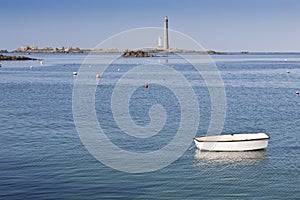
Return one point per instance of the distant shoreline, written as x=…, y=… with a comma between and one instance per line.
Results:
x=70, y=50
x=18, y=56
x=170, y=52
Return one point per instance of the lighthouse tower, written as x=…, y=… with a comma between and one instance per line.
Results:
x=159, y=43
x=166, y=38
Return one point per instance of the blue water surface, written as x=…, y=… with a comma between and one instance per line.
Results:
x=42, y=157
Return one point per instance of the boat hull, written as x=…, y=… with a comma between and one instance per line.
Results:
x=233, y=142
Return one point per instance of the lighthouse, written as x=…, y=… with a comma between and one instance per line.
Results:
x=159, y=43
x=166, y=38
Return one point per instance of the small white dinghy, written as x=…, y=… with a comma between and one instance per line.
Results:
x=233, y=142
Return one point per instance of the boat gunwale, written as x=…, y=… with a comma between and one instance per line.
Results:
x=246, y=140
x=203, y=139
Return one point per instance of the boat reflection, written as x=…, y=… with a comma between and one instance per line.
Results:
x=207, y=158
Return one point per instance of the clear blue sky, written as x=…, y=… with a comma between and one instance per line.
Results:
x=222, y=25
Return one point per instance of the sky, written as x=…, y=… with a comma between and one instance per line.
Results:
x=221, y=25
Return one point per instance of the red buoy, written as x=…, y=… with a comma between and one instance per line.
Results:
x=146, y=85
x=98, y=76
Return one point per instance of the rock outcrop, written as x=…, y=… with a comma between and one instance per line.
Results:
x=3, y=57
x=136, y=54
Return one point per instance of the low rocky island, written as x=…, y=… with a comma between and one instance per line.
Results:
x=136, y=54
x=211, y=52
x=150, y=52
x=3, y=57
x=28, y=49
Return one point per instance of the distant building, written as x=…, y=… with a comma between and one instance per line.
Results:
x=33, y=48
x=25, y=48
x=159, y=43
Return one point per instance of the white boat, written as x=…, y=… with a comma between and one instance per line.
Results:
x=233, y=142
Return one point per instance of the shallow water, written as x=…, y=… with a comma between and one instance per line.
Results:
x=42, y=155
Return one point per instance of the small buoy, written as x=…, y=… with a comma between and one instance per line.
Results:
x=285, y=59
x=30, y=67
x=288, y=71
x=97, y=75
x=74, y=73
x=146, y=85
x=297, y=92
x=90, y=66
x=118, y=69
x=41, y=62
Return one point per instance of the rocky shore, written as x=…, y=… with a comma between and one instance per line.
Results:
x=25, y=49
x=136, y=54
x=3, y=57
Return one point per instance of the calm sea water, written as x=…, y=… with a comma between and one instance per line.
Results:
x=42, y=157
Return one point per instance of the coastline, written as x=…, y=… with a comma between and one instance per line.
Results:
x=27, y=50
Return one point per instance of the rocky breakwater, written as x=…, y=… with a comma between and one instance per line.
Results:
x=4, y=57
x=136, y=54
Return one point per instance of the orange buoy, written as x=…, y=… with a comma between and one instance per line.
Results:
x=297, y=92
x=146, y=85
x=97, y=75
